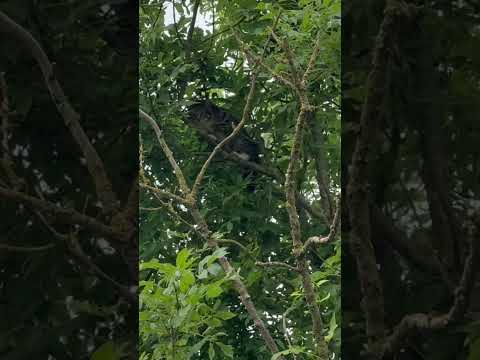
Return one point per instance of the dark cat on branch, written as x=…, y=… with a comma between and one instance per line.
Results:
x=214, y=124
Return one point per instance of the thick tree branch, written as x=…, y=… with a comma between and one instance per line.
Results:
x=206, y=234
x=6, y=162
x=71, y=118
x=358, y=186
x=191, y=28
x=168, y=153
x=63, y=215
x=295, y=231
x=238, y=284
x=182, y=84
x=414, y=322
x=295, y=226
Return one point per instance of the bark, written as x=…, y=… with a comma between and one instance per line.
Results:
x=240, y=287
x=71, y=118
x=295, y=231
x=358, y=188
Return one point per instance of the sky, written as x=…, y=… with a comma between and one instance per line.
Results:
x=201, y=19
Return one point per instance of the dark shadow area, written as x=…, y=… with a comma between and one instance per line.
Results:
x=68, y=179
x=411, y=171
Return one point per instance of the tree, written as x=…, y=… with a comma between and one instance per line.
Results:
x=239, y=170
x=68, y=187
x=411, y=220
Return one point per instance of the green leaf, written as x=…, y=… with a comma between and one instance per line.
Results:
x=292, y=350
x=106, y=352
x=155, y=265
x=332, y=327
x=187, y=279
x=211, y=352
x=197, y=347
x=182, y=258
x=214, y=291
x=321, y=282
x=180, y=317
x=214, y=269
x=225, y=315
x=220, y=252
x=203, y=274
x=474, y=350
x=226, y=349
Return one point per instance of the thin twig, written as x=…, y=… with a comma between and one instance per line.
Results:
x=162, y=194
x=26, y=249
x=234, y=242
x=277, y=264
x=311, y=62
x=289, y=55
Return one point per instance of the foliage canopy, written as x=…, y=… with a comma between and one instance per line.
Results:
x=242, y=201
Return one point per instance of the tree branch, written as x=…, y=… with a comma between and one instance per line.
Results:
x=77, y=250
x=196, y=6
x=26, y=249
x=413, y=322
x=277, y=264
x=314, y=240
x=358, y=187
x=71, y=118
x=162, y=194
x=246, y=115
x=295, y=226
x=168, y=153
x=62, y=215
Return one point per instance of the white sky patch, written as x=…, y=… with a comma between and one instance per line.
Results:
x=201, y=22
